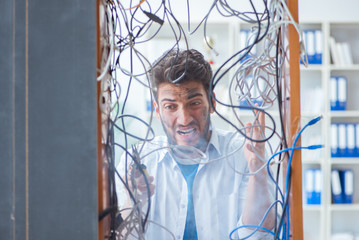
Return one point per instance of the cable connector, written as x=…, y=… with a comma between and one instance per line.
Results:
x=312, y=147
x=314, y=120
x=137, y=161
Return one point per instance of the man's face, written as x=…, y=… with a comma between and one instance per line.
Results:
x=184, y=111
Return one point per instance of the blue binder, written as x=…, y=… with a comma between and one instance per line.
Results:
x=333, y=93
x=334, y=140
x=309, y=185
x=317, y=186
x=310, y=46
x=342, y=93
x=338, y=93
x=318, y=47
x=342, y=140
x=337, y=192
x=313, y=42
x=347, y=180
x=350, y=134
x=244, y=41
x=254, y=93
x=313, y=185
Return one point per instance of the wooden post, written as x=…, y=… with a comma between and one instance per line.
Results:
x=296, y=214
x=102, y=166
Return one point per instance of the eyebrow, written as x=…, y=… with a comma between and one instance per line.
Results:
x=192, y=93
x=168, y=100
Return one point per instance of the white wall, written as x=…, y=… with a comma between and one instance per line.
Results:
x=328, y=10
x=309, y=10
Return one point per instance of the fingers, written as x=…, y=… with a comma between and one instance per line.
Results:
x=255, y=131
x=262, y=121
x=254, y=150
x=260, y=118
x=248, y=129
x=142, y=182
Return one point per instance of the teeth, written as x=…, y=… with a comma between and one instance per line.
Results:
x=186, y=132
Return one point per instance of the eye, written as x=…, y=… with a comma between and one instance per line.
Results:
x=195, y=103
x=169, y=106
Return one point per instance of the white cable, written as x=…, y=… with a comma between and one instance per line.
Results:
x=111, y=44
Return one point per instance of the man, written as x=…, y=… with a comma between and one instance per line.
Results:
x=195, y=173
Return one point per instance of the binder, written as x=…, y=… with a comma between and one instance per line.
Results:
x=334, y=140
x=347, y=179
x=341, y=53
x=244, y=41
x=333, y=93
x=338, y=93
x=347, y=55
x=313, y=185
x=310, y=46
x=317, y=186
x=313, y=42
x=243, y=38
x=337, y=195
x=305, y=42
x=309, y=185
x=318, y=47
x=350, y=133
x=254, y=90
x=342, y=186
x=334, y=51
x=342, y=140
x=342, y=93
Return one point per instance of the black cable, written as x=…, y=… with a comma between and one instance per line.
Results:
x=279, y=98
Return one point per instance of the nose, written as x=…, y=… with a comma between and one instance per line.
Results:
x=184, y=116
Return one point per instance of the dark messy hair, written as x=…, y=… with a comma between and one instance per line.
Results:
x=178, y=67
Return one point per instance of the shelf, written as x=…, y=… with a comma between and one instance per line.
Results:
x=354, y=67
x=308, y=161
x=311, y=67
x=344, y=207
x=343, y=114
x=346, y=161
x=314, y=208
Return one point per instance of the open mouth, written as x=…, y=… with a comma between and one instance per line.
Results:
x=186, y=132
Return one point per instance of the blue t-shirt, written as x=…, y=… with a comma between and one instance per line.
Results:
x=189, y=172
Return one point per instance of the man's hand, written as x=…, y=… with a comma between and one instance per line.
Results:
x=141, y=185
x=258, y=197
x=254, y=151
x=140, y=179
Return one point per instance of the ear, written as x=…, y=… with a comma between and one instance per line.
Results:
x=157, y=110
x=213, y=103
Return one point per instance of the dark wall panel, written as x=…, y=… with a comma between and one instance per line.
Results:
x=6, y=123
x=61, y=120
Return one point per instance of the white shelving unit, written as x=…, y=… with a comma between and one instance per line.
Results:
x=324, y=220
